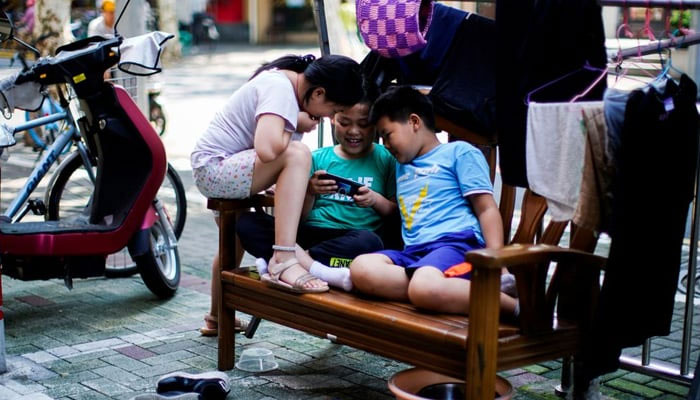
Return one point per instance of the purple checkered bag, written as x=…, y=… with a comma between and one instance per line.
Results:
x=394, y=28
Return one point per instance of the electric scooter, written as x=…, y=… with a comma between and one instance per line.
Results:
x=131, y=165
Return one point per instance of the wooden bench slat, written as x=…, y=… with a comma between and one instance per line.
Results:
x=384, y=316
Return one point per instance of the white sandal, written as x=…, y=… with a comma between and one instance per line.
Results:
x=275, y=270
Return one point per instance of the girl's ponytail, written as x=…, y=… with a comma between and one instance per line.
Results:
x=290, y=62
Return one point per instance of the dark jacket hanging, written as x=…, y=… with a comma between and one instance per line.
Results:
x=652, y=189
x=539, y=41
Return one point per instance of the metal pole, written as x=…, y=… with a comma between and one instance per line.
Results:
x=655, y=47
x=690, y=284
x=322, y=24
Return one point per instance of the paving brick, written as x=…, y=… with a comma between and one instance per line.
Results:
x=135, y=352
x=66, y=390
x=201, y=363
x=634, y=388
x=116, y=374
x=168, y=357
x=40, y=356
x=62, y=351
x=669, y=387
x=637, y=378
x=670, y=397
x=173, y=347
x=36, y=301
x=24, y=388
x=525, y=378
x=90, y=395
x=124, y=362
x=7, y=393
x=159, y=370
x=35, y=396
x=552, y=364
x=536, y=369
x=65, y=378
x=73, y=367
x=107, y=387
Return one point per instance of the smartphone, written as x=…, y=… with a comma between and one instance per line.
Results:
x=345, y=186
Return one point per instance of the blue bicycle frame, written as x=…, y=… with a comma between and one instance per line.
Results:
x=16, y=211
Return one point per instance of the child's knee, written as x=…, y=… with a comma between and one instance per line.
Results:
x=361, y=269
x=426, y=293
x=298, y=154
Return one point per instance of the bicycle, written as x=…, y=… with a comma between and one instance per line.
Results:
x=72, y=183
x=39, y=137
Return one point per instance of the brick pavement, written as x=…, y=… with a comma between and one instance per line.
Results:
x=111, y=338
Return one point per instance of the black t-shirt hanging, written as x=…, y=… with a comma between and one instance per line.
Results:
x=538, y=42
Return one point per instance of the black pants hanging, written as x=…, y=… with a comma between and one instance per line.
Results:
x=652, y=190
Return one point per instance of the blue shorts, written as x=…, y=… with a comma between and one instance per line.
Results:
x=442, y=254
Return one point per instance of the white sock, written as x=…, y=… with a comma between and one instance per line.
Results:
x=339, y=277
x=508, y=285
x=261, y=265
x=516, y=310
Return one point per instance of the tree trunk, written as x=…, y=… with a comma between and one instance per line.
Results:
x=52, y=23
x=168, y=23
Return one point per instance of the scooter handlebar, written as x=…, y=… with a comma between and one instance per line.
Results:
x=80, y=63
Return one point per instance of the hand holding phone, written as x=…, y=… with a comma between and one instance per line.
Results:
x=345, y=186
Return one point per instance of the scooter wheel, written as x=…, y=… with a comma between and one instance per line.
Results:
x=160, y=265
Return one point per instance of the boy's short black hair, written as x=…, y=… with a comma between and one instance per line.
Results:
x=399, y=102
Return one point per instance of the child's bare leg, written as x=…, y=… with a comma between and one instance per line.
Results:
x=376, y=274
x=430, y=289
x=290, y=171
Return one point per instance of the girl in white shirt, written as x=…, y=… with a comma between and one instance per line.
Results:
x=247, y=147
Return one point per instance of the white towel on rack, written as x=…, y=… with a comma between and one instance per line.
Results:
x=554, y=152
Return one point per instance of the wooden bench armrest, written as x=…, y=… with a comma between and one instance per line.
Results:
x=515, y=255
x=575, y=283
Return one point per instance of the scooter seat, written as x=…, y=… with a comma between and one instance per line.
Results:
x=52, y=227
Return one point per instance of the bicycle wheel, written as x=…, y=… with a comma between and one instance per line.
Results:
x=69, y=193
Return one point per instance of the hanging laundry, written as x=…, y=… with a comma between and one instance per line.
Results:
x=594, y=207
x=653, y=187
x=539, y=41
x=458, y=61
x=465, y=90
x=555, y=149
x=421, y=67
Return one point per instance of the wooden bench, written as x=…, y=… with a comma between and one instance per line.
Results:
x=470, y=347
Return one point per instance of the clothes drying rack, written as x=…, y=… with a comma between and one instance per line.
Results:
x=682, y=373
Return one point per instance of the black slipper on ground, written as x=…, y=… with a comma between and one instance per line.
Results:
x=211, y=385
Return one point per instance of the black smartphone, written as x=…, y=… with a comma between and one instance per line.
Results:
x=345, y=186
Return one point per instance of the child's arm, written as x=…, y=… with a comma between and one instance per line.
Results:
x=367, y=197
x=316, y=186
x=271, y=139
x=489, y=217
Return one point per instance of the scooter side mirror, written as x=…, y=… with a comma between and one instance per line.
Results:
x=6, y=28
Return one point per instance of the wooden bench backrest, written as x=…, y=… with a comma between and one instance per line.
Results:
x=573, y=292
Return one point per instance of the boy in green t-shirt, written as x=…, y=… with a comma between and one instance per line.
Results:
x=336, y=228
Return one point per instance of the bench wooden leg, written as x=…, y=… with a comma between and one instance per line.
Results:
x=482, y=342
x=227, y=316
x=563, y=389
